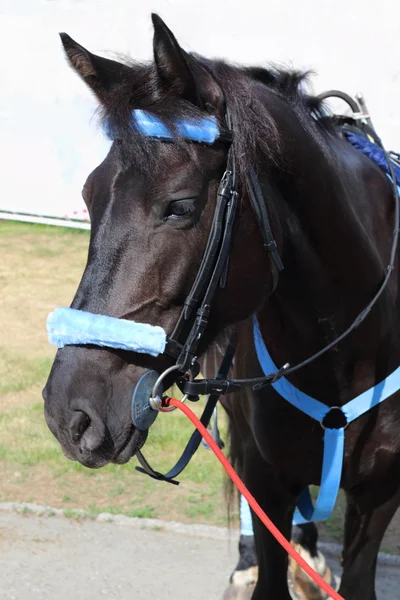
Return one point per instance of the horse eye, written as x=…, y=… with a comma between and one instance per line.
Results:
x=180, y=208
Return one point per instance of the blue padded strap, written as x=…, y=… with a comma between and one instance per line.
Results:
x=67, y=326
x=246, y=522
x=330, y=481
x=307, y=404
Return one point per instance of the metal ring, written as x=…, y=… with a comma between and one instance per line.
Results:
x=157, y=384
x=161, y=378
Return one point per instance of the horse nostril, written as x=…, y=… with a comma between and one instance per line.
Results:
x=78, y=425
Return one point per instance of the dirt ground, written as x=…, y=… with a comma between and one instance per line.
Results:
x=42, y=558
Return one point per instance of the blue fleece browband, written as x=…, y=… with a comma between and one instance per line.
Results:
x=205, y=129
x=67, y=327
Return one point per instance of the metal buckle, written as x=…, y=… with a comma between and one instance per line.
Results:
x=226, y=185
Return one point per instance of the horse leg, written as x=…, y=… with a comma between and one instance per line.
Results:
x=307, y=536
x=305, y=540
x=244, y=577
x=364, y=529
x=277, y=503
x=272, y=558
x=246, y=571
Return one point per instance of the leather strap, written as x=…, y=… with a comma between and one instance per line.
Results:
x=261, y=212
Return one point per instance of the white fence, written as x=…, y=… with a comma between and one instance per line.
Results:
x=48, y=139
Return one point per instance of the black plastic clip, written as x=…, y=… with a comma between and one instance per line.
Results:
x=202, y=387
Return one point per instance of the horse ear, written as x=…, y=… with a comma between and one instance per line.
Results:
x=100, y=74
x=172, y=63
x=182, y=73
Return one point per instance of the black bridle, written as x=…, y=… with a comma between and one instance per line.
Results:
x=208, y=386
x=214, y=266
x=213, y=273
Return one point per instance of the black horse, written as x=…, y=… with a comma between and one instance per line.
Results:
x=151, y=206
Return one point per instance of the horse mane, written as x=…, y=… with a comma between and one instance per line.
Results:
x=290, y=84
x=256, y=134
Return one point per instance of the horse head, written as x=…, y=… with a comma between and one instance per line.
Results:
x=151, y=205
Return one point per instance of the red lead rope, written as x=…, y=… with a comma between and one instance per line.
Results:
x=252, y=501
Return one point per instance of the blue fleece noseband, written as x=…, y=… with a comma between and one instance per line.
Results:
x=70, y=327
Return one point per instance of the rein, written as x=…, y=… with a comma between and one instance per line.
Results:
x=286, y=545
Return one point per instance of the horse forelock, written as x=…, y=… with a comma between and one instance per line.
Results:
x=249, y=93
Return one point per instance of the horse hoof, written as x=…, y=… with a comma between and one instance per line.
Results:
x=242, y=584
x=301, y=586
x=238, y=592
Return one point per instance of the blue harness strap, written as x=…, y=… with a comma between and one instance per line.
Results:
x=332, y=462
x=332, y=466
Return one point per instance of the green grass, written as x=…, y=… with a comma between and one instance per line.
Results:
x=17, y=372
x=40, y=269
x=129, y=490
x=144, y=512
x=16, y=229
x=76, y=515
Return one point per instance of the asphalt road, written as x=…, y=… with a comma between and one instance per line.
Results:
x=48, y=558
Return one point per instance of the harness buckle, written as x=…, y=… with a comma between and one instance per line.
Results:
x=226, y=185
x=273, y=378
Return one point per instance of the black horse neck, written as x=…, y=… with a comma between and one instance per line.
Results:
x=336, y=221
